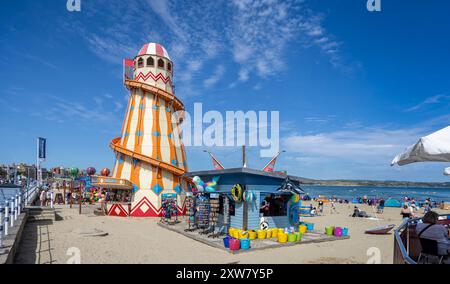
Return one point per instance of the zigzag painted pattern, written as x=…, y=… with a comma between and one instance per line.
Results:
x=149, y=75
x=152, y=211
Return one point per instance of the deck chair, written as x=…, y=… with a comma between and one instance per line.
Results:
x=429, y=249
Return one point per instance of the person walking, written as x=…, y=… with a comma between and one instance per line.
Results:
x=42, y=198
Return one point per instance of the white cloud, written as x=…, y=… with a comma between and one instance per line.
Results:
x=215, y=77
x=255, y=34
x=368, y=145
x=436, y=99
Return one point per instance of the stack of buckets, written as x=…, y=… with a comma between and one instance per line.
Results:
x=336, y=231
x=240, y=239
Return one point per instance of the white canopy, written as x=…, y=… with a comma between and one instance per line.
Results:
x=447, y=171
x=432, y=148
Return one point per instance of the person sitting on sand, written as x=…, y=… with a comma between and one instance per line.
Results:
x=429, y=229
x=406, y=212
x=313, y=211
x=358, y=213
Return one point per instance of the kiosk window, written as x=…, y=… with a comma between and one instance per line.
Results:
x=274, y=205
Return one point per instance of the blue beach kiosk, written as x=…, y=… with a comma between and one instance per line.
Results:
x=271, y=199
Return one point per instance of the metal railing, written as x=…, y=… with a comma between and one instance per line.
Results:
x=11, y=208
x=402, y=246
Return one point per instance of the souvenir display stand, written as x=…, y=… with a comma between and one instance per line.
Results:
x=190, y=212
x=214, y=214
x=202, y=214
x=169, y=209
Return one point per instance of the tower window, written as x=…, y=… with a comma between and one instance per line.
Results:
x=169, y=66
x=140, y=62
x=150, y=61
x=161, y=63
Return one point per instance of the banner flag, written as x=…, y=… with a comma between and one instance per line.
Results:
x=128, y=69
x=42, y=148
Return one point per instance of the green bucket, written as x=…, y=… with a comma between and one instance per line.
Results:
x=329, y=231
x=298, y=237
x=292, y=238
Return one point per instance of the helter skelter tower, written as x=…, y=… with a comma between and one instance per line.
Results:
x=149, y=152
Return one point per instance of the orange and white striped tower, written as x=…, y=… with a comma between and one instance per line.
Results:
x=149, y=152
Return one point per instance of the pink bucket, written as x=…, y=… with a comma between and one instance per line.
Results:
x=235, y=244
x=337, y=232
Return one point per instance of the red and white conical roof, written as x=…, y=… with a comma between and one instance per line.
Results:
x=154, y=49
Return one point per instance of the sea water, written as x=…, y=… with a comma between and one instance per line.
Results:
x=350, y=192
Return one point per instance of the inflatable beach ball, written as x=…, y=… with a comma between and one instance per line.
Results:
x=90, y=171
x=105, y=172
x=74, y=172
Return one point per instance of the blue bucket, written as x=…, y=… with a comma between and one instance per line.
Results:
x=309, y=226
x=344, y=232
x=245, y=244
x=226, y=241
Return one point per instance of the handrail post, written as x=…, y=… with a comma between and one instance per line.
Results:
x=20, y=203
x=1, y=226
x=6, y=221
x=16, y=206
x=11, y=210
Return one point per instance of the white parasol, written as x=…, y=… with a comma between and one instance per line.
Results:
x=432, y=148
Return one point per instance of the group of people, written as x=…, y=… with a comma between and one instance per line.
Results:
x=46, y=197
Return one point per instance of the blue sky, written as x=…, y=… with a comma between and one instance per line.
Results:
x=353, y=88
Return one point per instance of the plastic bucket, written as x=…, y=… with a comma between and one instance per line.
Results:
x=302, y=229
x=282, y=238
x=245, y=244
x=252, y=235
x=226, y=241
x=261, y=234
x=298, y=237
x=234, y=244
x=310, y=226
x=231, y=231
x=344, y=232
x=337, y=232
x=268, y=234
x=292, y=238
x=329, y=231
x=274, y=233
x=243, y=234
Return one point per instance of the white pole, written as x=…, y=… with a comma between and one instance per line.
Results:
x=38, y=164
x=51, y=199
x=1, y=226
x=20, y=203
x=16, y=207
x=6, y=218
x=11, y=208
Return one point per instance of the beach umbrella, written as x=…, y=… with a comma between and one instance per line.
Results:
x=432, y=148
x=447, y=171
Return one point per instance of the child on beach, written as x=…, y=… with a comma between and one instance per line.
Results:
x=333, y=207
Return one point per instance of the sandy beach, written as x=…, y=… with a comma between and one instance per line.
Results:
x=141, y=240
